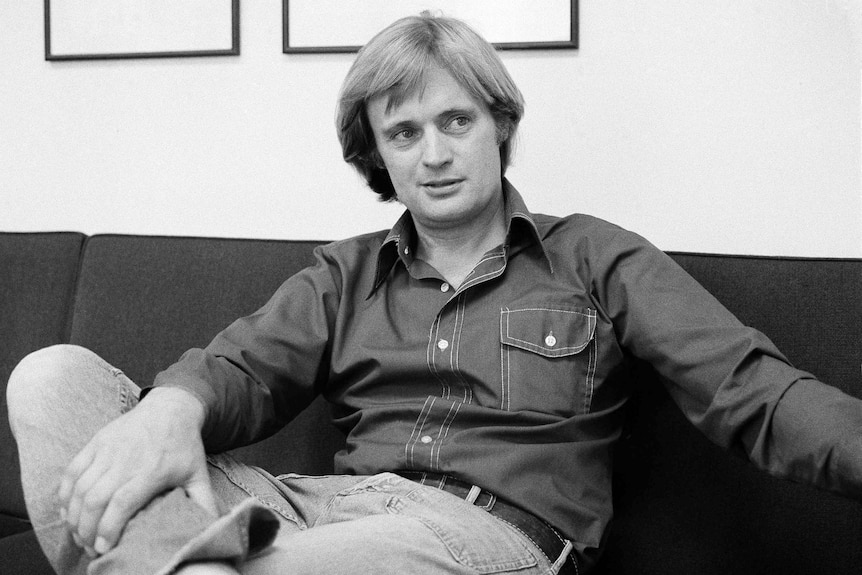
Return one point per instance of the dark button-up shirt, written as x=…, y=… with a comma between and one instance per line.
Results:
x=516, y=379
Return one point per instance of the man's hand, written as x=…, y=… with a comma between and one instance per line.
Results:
x=155, y=447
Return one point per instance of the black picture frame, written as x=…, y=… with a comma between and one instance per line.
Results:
x=67, y=34
x=293, y=47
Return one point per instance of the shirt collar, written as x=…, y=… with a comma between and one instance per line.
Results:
x=399, y=242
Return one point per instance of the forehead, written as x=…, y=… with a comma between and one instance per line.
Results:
x=434, y=92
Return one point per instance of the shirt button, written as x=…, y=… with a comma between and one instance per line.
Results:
x=407, y=250
x=442, y=344
x=444, y=287
x=550, y=341
x=426, y=439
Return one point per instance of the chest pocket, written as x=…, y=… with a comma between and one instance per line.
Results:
x=548, y=359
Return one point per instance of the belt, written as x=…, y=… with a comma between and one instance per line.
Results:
x=545, y=537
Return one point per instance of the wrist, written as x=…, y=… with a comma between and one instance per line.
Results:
x=177, y=402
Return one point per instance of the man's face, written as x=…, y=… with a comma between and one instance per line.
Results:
x=440, y=149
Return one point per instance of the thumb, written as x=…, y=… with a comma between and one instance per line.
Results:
x=199, y=490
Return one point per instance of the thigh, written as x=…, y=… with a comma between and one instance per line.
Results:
x=386, y=524
x=58, y=398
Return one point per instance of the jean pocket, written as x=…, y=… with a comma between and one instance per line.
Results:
x=548, y=359
x=473, y=537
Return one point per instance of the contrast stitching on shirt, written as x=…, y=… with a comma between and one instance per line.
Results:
x=504, y=366
x=505, y=359
x=494, y=273
x=591, y=374
x=487, y=259
x=589, y=313
x=491, y=273
x=460, y=315
x=508, y=379
x=410, y=447
x=534, y=346
x=504, y=377
x=591, y=369
x=444, y=431
x=456, y=335
x=433, y=337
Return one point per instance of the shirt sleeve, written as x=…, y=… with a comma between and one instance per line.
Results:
x=263, y=369
x=729, y=379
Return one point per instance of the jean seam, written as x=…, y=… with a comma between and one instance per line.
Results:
x=126, y=390
x=251, y=493
x=395, y=506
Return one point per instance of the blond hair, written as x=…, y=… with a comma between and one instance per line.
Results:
x=393, y=64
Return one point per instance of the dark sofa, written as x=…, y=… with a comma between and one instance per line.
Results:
x=682, y=505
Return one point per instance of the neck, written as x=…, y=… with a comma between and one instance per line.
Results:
x=455, y=252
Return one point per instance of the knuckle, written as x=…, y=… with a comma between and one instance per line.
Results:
x=123, y=500
x=93, y=500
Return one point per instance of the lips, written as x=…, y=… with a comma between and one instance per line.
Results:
x=441, y=184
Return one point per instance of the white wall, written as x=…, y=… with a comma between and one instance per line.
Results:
x=716, y=125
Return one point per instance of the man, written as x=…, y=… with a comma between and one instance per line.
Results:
x=475, y=354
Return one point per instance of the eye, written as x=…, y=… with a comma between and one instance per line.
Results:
x=459, y=123
x=404, y=135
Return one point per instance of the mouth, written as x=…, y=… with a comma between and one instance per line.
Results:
x=442, y=183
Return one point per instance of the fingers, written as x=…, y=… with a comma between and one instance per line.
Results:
x=86, y=502
x=78, y=476
x=200, y=491
x=79, y=465
x=124, y=503
x=90, y=516
x=99, y=501
x=134, y=458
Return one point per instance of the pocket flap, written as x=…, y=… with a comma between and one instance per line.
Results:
x=548, y=332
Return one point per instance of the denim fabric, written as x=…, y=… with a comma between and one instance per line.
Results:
x=387, y=524
x=60, y=396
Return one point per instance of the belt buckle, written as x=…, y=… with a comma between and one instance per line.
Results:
x=481, y=498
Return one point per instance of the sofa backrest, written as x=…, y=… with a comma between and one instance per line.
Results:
x=37, y=283
x=165, y=295
x=682, y=504
x=685, y=506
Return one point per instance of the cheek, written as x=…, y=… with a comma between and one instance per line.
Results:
x=489, y=158
x=398, y=170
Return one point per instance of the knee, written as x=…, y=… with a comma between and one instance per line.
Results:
x=43, y=376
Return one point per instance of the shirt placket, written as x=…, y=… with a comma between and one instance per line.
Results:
x=427, y=441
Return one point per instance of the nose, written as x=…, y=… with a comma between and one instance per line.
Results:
x=436, y=150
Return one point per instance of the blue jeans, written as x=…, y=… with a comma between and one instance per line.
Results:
x=60, y=396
